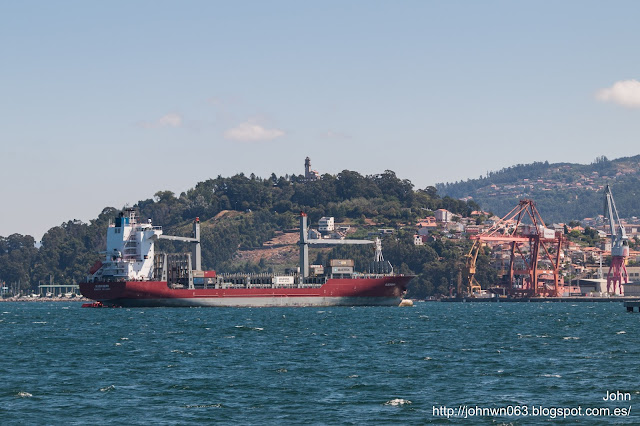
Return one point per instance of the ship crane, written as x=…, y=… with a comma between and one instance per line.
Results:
x=196, y=251
x=534, y=253
x=619, y=245
x=379, y=263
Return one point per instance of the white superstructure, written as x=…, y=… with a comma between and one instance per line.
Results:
x=130, y=248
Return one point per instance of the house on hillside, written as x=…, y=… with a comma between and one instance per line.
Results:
x=326, y=224
x=473, y=229
x=426, y=225
x=443, y=215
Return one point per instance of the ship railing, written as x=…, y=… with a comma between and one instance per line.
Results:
x=115, y=271
x=225, y=286
x=146, y=228
x=310, y=285
x=314, y=281
x=265, y=285
x=359, y=275
x=250, y=275
x=286, y=285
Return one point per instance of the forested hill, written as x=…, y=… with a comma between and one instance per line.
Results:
x=562, y=191
x=240, y=212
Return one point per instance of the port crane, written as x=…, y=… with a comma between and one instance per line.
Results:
x=619, y=245
x=534, y=254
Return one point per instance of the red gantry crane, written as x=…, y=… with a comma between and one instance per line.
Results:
x=619, y=245
x=534, y=253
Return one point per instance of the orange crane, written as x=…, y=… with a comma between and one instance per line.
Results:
x=619, y=245
x=534, y=253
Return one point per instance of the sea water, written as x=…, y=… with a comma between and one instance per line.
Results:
x=513, y=363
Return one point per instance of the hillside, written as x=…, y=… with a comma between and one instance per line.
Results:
x=247, y=225
x=562, y=191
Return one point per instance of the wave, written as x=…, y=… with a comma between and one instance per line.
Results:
x=397, y=402
x=245, y=327
x=204, y=406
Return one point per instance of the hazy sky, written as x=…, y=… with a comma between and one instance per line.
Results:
x=106, y=103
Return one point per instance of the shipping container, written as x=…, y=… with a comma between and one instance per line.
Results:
x=341, y=262
x=316, y=269
x=288, y=279
x=342, y=269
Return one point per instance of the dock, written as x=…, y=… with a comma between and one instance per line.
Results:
x=570, y=299
x=631, y=304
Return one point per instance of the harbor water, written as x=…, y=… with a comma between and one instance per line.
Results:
x=532, y=363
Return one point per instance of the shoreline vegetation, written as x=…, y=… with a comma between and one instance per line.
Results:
x=244, y=218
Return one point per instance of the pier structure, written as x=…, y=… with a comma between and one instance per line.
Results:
x=631, y=305
x=55, y=290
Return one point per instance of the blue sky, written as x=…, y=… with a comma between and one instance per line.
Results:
x=105, y=103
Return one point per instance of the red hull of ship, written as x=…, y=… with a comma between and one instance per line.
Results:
x=385, y=290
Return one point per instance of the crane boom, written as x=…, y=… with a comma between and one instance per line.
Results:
x=619, y=245
x=305, y=242
x=618, y=233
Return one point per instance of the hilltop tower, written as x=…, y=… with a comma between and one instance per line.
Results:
x=308, y=173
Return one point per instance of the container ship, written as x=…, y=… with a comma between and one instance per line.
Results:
x=133, y=275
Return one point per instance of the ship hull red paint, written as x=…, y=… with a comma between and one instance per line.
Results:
x=381, y=291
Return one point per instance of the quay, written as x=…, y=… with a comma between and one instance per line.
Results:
x=570, y=299
x=632, y=304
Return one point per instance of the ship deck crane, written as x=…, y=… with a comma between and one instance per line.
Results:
x=196, y=251
x=619, y=245
x=305, y=241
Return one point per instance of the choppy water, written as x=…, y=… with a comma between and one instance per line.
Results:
x=64, y=364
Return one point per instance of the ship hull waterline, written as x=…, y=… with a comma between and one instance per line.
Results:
x=383, y=291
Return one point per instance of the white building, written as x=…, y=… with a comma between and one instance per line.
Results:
x=308, y=173
x=326, y=224
x=443, y=215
